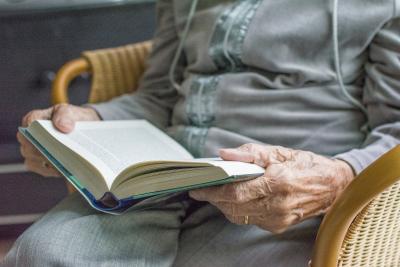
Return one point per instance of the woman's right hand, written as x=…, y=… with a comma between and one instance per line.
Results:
x=63, y=117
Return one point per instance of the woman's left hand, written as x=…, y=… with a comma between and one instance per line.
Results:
x=296, y=185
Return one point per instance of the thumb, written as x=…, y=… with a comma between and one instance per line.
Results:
x=63, y=118
x=235, y=154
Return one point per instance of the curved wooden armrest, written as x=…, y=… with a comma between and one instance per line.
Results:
x=115, y=71
x=382, y=174
x=64, y=76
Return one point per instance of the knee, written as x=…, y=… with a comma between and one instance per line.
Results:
x=35, y=247
x=46, y=242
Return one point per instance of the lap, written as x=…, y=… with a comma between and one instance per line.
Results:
x=179, y=233
x=74, y=234
x=208, y=239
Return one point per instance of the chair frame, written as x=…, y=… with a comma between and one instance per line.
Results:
x=382, y=174
x=67, y=73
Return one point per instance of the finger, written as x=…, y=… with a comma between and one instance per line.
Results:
x=43, y=114
x=31, y=153
x=233, y=210
x=39, y=167
x=63, y=118
x=254, y=208
x=21, y=139
x=43, y=167
x=275, y=206
x=206, y=194
x=240, y=220
x=251, y=220
x=27, y=149
x=269, y=205
x=250, y=153
x=239, y=192
x=235, y=154
x=275, y=225
x=225, y=193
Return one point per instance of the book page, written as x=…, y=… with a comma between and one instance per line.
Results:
x=231, y=168
x=112, y=146
x=235, y=168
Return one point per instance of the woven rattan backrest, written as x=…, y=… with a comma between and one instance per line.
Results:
x=373, y=238
x=116, y=71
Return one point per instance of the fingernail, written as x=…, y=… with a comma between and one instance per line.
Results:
x=225, y=150
x=65, y=124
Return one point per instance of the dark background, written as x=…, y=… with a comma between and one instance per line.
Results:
x=34, y=44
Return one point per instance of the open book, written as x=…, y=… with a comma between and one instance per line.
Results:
x=115, y=164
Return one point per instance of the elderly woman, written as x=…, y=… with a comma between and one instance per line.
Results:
x=309, y=90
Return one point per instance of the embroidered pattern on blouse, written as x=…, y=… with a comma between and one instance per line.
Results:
x=200, y=105
x=192, y=138
x=226, y=46
x=200, y=111
x=226, y=49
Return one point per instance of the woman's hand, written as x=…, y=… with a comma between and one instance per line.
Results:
x=296, y=185
x=64, y=117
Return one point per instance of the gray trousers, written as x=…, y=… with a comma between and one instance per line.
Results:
x=176, y=232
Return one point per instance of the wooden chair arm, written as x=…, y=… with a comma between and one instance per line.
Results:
x=67, y=73
x=382, y=174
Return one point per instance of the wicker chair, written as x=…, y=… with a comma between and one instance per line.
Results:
x=363, y=226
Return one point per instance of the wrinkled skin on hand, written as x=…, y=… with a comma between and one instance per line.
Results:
x=296, y=185
x=63, y=117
